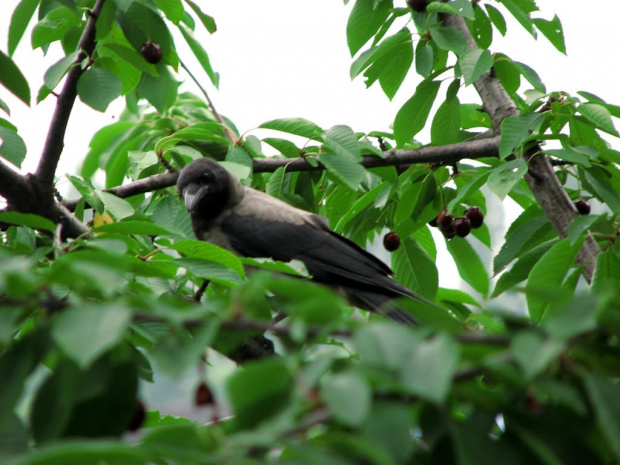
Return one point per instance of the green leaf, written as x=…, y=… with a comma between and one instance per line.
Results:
x=85, y=332
x=13, y=148
x=602, y=189
x=360, y=205
x=446, y=123
x=414, y=269
x=605, y=398
x=207, y=251
x=346, y=169
x=132, y=57
x=521, y=269
x=285, y=147
x=81, y=452
x=297, y=126
x=274, y=185
x=58, y=70
x=517, y=238
x=469, y=265
x=12, y=78
x=161, y=91
x=117, y=207
x=98, y=87
x=579, y=226
x=520, y=14
x=19, y=22
x=424, y=58
x=449, y=38
x=259, y=391
x=347, y=396
x=571, y=155
x=133, y=227
x=547, y=276
x=531, y=76
x=464, y=9
x=385, y=345
x=599, y=116
x=533, y=352
x=209, y=270
x=497, y=19
x=173, y=9
x=473, y=63
x=207, y=21
x=412, y=116
x=343, y=142
x=27, y=219
x=552, y=30
x=606, y=273
x=365, y=19
x=420, y=375
x=515, y=130
x=505, y=176
x=201, y=55
x=390, y=62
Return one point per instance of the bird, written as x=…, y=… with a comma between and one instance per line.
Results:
x=251, y=223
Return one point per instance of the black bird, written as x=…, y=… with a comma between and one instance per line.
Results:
x=251, y=223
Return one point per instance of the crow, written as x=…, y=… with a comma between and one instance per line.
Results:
x=251, y=223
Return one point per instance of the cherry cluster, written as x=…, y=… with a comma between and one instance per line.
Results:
x=461, y=226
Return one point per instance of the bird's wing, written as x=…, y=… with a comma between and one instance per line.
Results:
x=278, y=231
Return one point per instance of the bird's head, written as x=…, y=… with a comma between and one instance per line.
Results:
x=208, y=188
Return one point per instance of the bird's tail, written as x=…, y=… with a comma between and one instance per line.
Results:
x=383, y=305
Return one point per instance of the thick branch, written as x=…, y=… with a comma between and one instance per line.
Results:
x=13, y=186
x=482, y=148
x=541, y=178
x=54, y=143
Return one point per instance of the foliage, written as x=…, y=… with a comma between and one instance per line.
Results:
x=85, y=321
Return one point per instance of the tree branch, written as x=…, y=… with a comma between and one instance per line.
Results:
x=54, y=143
x=541, y=178
x=482, y=148
x=14, y=187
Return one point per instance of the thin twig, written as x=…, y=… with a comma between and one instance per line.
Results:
x=231, y=136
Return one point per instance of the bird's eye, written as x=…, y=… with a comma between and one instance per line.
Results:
x=205, y=177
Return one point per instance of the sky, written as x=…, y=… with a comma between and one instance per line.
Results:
x=289, y=58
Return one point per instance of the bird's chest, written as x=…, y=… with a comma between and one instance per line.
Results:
x=217, y=237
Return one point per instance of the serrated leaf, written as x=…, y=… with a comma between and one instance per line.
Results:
x=298, y=126
x=469, y=265
x=27, y=219
x=505, y=176
x=603, y=189
x=516, y=241
x=521, y=269
x=606, y=273
x=579, y=226
x=497, y=19
x=346, y=169
x=420, y=375
x=604, y=396
x=132, y=57
x=57, y=71
x=348, y=397
x=85, y=332
x=412, y=116
x=12, y=147
x=390, y=62
x=19, y=22
x=274, y=185
x=446, y=123
x=364, y=21
x=201, y=55
x=414, y=269
x=548, y=274
x=599, y=116
x=207, y=21
x=207, y=251
x=360, y=205
x=520, y=14
x=134, y=227
x=285, y=147
x=449, y=38
x=473, y=63
x=343, y=142
x=424, y=58
x=160, y=91
x=533, y=352
x=515, y=130
x=12, y=78
x=552, y=30
x=531, y=76
x=98, y=87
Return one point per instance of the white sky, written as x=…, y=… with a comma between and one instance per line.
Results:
x=288, y=58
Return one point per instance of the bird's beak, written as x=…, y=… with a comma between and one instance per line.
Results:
x=192, y=192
